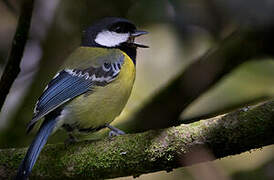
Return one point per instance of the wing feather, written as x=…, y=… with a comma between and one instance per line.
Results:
x=70, y=83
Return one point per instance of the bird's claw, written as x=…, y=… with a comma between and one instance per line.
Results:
x=114, y=131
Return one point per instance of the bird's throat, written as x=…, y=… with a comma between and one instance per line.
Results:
x=130, y=51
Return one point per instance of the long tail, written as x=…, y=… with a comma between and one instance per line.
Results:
x=35, y=149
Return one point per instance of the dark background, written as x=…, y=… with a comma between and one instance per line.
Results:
x=180, y=32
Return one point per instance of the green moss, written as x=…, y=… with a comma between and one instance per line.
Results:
x=135, y=154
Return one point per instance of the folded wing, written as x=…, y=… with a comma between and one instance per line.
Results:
x=70, y=83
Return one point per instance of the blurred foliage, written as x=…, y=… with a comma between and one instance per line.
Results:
x=251, y=80
x=180, y=31
x=264, y=171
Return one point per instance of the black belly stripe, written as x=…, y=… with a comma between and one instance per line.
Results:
x=70, y=128
x=91, y=129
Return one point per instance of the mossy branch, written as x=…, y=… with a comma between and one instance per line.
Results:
x=155, y=150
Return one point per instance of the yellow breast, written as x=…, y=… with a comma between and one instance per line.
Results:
x=103, y=104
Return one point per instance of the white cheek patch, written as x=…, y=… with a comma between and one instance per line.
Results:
x=111, y=39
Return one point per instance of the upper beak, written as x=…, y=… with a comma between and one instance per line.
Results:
x=136, y=34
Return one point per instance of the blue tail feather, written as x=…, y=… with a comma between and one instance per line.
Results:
x=35, y=149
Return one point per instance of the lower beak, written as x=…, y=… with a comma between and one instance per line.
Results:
x=137, y=34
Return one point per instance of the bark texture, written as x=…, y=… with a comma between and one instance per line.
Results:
x=154, y=150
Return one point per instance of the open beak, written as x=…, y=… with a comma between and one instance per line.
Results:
x=134, y=35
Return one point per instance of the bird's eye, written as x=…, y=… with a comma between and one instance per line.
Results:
x=118, y=29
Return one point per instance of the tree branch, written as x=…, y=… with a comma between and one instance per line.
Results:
x=151, y=151
x=12, y=68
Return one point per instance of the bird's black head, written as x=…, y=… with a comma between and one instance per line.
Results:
x=113, y=32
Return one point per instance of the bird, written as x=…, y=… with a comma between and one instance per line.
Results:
x=90, y=89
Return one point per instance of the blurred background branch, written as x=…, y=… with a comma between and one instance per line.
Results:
x=164, y=109
x=10, y=6
x=12, y=68
x=151, y=151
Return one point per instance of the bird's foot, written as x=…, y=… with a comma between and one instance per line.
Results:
x=114, y=131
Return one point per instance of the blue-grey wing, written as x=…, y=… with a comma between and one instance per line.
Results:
x=61, y=89
x=70, y=83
